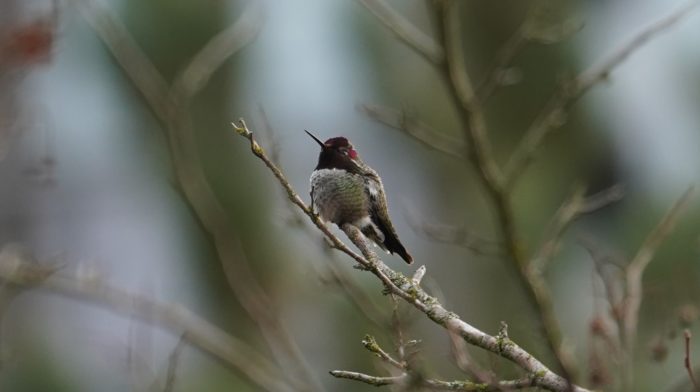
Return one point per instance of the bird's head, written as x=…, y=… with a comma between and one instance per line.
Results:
x=336, y=145
x=336, y=153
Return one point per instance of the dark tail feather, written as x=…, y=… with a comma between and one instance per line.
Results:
x=393, y=245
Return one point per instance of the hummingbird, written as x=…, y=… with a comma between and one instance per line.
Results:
x=345, y=190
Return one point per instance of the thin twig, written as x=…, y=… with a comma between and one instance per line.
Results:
x=372, y=346
x=687, y=363
x=417, y=40
x=612, y=295
x=172, y=364
x=400, y=285
x=550, y=118
x=398, y=331
x=506, y=54
x=563, y=218
x=434, y=384
x=420, y=131
x=466, y=363
x=458, y=235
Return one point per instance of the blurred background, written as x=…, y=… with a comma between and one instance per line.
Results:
x=90, y=182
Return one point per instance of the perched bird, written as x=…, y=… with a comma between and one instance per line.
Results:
x=345, y=190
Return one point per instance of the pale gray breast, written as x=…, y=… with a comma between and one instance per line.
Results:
x=339, y=196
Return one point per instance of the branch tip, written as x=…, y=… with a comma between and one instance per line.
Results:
x=418, y=275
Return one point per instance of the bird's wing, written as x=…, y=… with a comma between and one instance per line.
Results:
x=379, y=213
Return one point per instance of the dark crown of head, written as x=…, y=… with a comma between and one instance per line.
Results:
x=337, y=142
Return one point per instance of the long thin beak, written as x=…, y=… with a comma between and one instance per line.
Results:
x=315, y=138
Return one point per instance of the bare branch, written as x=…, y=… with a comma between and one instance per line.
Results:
x=420, y=131
x=550, y=118
x=233, y=353
x=417, y=40
x=434, y=384
x=398, y=284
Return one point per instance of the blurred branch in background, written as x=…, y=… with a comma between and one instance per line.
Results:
x=418, y=130
x=459, y=235
x=553, y=115
x=171, y=105
x=424, y=45
x=536, y=27
x=396, y=283
x=17, y=271
x=570, y=210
